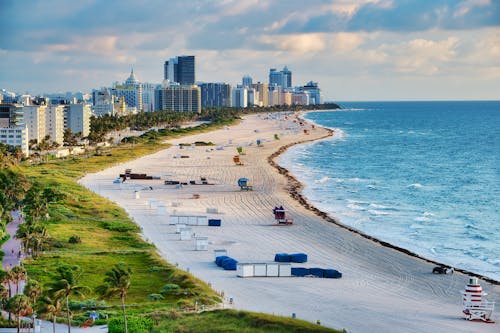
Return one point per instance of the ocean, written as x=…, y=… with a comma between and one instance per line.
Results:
x=420, y=175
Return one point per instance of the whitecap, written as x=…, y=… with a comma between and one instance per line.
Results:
x=374, y=205
x=357, y=202
x=422, y=219
x=355, y=207
x=322, y=180
x=377, y=212
x=338, y=134
x=352, y=109
x=428, y=214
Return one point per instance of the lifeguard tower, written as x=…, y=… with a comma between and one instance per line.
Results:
x=476, y=307
x=237, y=160
x=280, y=216
x=244, y=185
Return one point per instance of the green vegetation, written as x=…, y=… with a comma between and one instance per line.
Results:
x=117, y=283
x=234, y=321
x=76, y=236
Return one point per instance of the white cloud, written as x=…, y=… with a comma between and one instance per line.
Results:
x=465, y=6
x=422, y=56
x=296, y=43
x=237, y=7
x=344, y=42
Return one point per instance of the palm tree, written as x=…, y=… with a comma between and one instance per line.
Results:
x=66, y=284
x=117, y=283
x=4, y=296
x=20, y=305
x=6, y=278
x=25, y=234
x=33, y=290
x=19, y=274
x=52, y=307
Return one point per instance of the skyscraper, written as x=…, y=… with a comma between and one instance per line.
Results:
x=246, y=81
x=215, y=94
x=180, y=69
x=131, y=90
x=175, y=97
x=280, y=78
x=275, y=77
x=287, y=78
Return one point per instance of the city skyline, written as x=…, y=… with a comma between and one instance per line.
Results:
x=355, y=49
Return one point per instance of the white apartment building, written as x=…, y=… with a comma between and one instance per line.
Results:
x=262, y=93
x=34, y=119
x=54, y=123
x=77, y=118
x=274, y=95
x=240, y=97
x=148, y=96
x=300, y=98
x=131, y=90
x=15, y=136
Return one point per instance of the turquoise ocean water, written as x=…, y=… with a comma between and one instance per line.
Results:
x=420, y=175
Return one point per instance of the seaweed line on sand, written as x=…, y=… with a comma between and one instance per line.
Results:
x=294, y=188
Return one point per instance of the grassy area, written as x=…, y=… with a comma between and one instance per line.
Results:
x=107, y=234
x=236, y=321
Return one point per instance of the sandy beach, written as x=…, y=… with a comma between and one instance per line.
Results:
x=382, y=289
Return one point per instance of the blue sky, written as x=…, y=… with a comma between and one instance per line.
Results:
x=355, y=49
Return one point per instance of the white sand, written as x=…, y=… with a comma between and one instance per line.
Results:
x=382, y=290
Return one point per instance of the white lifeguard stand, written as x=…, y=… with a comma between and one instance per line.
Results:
x=475, y=306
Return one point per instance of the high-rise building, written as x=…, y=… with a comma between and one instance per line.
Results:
x=247, y=81
x=34, y=119
x=148, y=96
x=262, y=93
x=252, y=97
x=178, y=98
x=240, y=97
x=131, y=90
x=77, y=118
x=287, y=78
x=262, y=90
x=314, y=92
x=215, y=94
x=180, y=69
x=274, y=95
x=54, y=123
x=275, y=77
x=300, y=98
x=281, y=78
x=286, y=98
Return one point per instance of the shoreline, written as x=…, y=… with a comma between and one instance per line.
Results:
x=378, y=281
x=295, y=187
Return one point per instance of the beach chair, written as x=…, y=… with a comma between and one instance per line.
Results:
x=236, y=160
x=475, y=306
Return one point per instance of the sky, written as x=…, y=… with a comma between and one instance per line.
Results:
x=357, y=50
